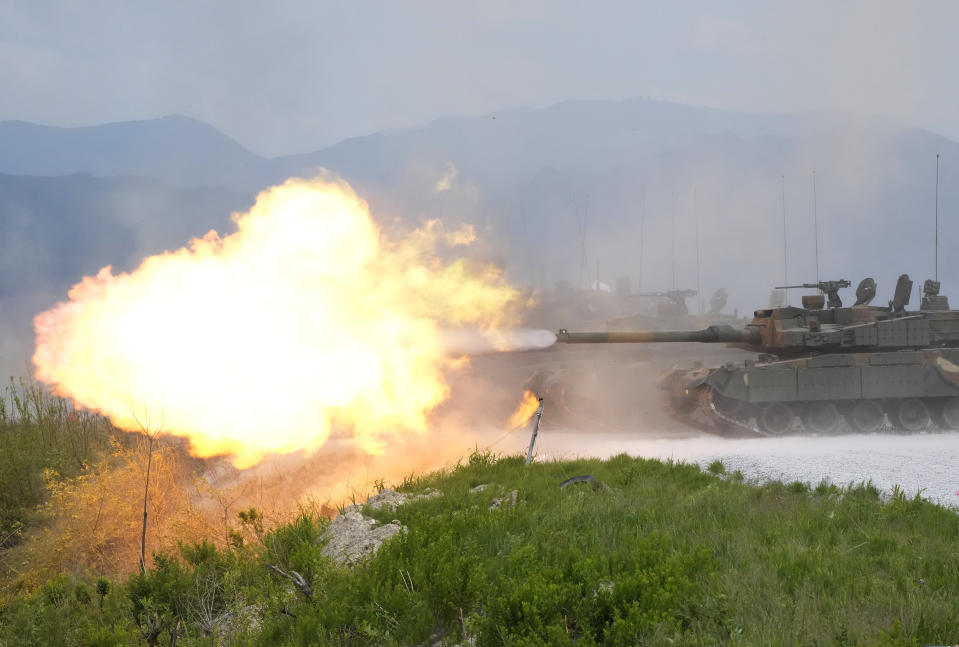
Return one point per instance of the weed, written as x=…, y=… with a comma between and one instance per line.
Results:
x=409, y=482
x=798, y=487
x=825, y=488
x=716, y=467
x=484, y=458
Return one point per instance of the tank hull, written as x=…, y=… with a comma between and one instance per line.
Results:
x=847, y=392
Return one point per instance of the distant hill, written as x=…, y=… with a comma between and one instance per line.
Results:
x=498, y=149
x=175, y=149
x=494, y=150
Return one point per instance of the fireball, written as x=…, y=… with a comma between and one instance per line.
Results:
x=306, y=319
x=527, y=407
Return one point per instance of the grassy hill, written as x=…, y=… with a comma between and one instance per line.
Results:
x=649, y=553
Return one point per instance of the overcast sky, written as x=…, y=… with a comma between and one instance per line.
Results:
x=284, y=77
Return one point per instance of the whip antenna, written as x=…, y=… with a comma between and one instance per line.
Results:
x=699, y=290
x=785, y=247
x=642, y=240
x=672, y=241
x=815, y=220
x=937, y=216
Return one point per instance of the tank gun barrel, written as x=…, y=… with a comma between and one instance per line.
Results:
x=711, y=335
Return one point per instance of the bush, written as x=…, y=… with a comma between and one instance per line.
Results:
x=41, y=433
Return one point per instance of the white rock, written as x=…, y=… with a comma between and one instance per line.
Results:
x=352, y=537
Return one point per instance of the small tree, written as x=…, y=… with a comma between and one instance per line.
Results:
x=151, y=433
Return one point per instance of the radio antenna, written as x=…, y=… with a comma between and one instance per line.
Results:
x=815, y=219
x=642, y=240
x=672, y=241
x=585, y=255
x=937, y=216
x=699, y=290
x=785, y=246
x=581, y=230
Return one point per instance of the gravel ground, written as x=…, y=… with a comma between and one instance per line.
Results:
x=927, y=462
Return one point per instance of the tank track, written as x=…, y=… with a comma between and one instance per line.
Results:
x=705, y=416
x=703, y=411
x=710, y=418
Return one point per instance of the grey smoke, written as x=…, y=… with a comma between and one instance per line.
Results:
x=475, y=342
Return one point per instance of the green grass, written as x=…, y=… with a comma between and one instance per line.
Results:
x=669, y=554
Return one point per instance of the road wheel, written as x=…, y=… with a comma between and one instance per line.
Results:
x=676, y=402
x=821, y=417
x=948, y=417
x=865, y=416
x=726, y=406
x=776, y=419
x=911, y=415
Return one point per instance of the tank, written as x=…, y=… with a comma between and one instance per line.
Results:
x=822, y=368
x=671, y=312
x=589, y=307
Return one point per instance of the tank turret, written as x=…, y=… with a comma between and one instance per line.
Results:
x=791, y=331
x=671, y=312
x=829, y=366
x=672, y=302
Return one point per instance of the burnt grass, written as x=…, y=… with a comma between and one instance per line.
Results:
x=650, y=552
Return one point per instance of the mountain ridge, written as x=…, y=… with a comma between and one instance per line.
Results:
x=192, y=152
x=573, y=192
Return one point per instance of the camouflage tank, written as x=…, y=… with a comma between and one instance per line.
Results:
x=822, y=368
x=584, y=307
x=672, y=313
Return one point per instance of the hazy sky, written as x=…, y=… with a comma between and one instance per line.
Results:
x=286, y=76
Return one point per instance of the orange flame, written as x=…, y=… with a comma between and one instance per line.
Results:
x=527, y=407
x=305, y=319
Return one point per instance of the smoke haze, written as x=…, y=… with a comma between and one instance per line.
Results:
x=327, y=71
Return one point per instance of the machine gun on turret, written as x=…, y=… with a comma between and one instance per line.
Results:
x=829, y=288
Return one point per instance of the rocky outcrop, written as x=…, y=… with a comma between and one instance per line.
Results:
x=352, y=536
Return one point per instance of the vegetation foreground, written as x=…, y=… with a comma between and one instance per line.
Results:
x=649, y=553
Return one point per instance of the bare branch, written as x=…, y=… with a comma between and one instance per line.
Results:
x=296, y=578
